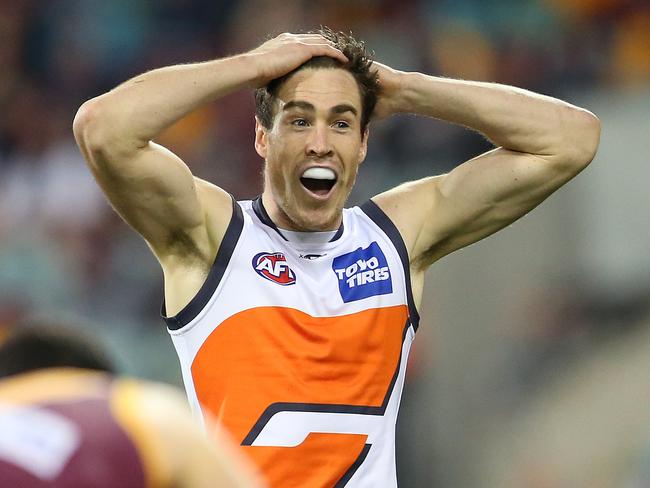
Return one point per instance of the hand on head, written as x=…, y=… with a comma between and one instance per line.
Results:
x=286, y=52
x=390, y=89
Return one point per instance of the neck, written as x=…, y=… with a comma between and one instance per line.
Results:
x=283, y=221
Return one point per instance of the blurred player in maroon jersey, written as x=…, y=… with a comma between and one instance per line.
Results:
x=66, y=420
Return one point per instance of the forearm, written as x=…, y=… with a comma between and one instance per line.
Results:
x=128, y=117
x=136, y=111
x=510, y=117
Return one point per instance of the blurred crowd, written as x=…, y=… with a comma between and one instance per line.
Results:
x=63, y=249
x=61, y=245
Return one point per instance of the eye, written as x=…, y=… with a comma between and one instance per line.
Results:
x=299, y=123
x=341, y=124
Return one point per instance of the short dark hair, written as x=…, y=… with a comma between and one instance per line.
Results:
x=37, y=345
x=359, y=65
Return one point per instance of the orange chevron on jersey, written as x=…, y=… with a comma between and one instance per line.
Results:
x=349, y=360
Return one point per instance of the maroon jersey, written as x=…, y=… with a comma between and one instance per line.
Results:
x=69, y=428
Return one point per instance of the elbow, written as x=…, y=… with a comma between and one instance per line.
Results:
x=95, y=131
x=87, y=127
x=582, y=139
x=590, y=136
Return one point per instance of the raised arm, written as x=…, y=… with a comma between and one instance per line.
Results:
x=542, y=143
x=182, y=218
x=151, y=187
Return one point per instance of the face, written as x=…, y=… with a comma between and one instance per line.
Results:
x=313, y=150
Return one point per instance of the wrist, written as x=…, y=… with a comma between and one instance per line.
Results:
x=409, y=98
x=247, y=66
x=391, y=86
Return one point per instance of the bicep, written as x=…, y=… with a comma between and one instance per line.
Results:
x=487, y=193
x=479, y=197
x=152, y=189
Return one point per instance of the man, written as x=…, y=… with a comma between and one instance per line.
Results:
x=67, y=421
x=292, y=316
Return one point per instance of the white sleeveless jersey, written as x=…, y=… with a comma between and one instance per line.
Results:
x=300, y=350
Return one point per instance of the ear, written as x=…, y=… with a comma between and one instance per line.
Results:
x=364, y=145
x=260, y=138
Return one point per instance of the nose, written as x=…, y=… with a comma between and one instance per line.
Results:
x=318, y=144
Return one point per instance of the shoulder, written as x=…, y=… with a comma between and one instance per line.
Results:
x=199, y=244
x=408, y=206
x=175, y=449
x=149, y=414
x=218, y=208
x=150, y=403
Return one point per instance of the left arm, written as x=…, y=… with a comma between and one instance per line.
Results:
x=541, y=144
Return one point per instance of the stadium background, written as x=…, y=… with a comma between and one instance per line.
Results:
x=531, y=364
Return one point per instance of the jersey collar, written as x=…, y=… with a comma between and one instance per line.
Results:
x=262, y=214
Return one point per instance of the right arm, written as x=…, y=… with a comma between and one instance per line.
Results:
x=183, y=219
x=148, y=185
x=151, y=188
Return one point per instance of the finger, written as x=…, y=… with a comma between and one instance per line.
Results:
x=306, y=37
x=338, y=54
x=331, y=51
x=325, y=47
x=315, y=39
x=312, y=35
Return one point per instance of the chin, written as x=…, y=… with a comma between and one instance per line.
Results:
x=317, y=220
x=329, y=221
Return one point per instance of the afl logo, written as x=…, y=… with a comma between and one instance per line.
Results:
x=273, y=266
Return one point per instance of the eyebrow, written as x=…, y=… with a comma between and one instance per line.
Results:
x=337, y=109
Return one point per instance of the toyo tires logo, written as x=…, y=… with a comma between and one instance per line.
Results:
x=363, y=273
x=274, y=267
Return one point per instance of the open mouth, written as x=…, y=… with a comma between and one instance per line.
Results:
x=318, y=181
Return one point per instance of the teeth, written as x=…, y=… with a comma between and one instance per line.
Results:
x=319, y=174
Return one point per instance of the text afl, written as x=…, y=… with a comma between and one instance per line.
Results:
x=274, y=267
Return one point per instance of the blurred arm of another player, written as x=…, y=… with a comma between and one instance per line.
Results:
x=176, y=450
